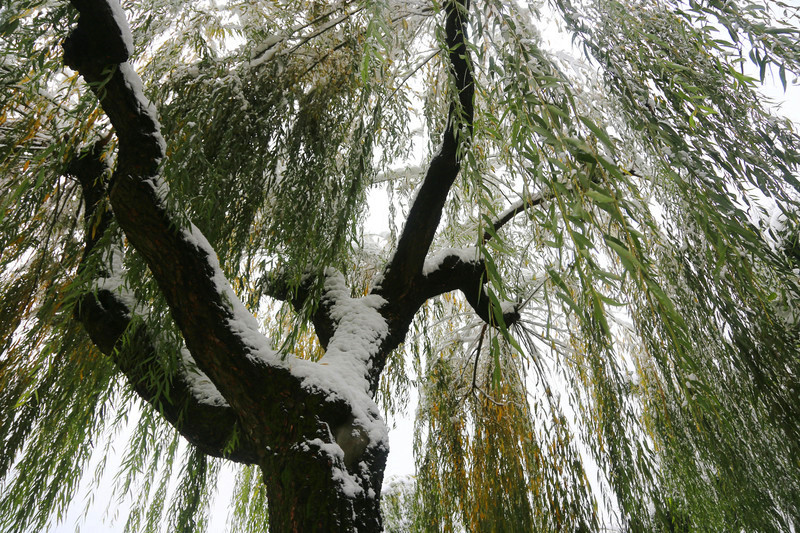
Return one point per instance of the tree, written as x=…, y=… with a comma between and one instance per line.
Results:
x=621, y=294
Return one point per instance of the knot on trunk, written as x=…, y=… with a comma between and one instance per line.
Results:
x=353, y=441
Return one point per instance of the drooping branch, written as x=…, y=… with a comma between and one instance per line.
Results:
x=268, y=49
x=426, y=210
x=106, y=318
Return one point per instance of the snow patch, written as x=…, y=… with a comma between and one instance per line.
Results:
x=199, y=383
x=508, y=307
x=330, y=448
x=435, y=260
x=350, y=485
x=122, y=23
x=134, y=84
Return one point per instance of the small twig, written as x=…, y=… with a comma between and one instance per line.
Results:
x=325, y=57
x=519, y=207
x=329, y=26
x=477, y=358
x=498, y=403
x=413, y=71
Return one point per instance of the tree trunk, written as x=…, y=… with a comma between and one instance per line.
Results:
x=310, y=490
x=313, y=428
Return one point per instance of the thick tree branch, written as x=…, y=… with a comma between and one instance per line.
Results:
x=278, y=287
x=426, y=210
x=447, y=272
x=218, y=331
x=281, y=402
x=453, y=271
x=106, y=318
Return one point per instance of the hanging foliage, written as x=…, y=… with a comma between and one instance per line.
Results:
x=589, y=280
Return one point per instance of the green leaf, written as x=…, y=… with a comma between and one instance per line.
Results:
x=609, y=300
x=628, y=259
x=581, y=241
x=599, y=132
x=782, y=75
x=599, y=313
x=599, y=197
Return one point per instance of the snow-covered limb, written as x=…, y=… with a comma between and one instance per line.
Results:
x=463, y=269
x=279, y=401
x=346, y=368
x=201, y=387
x=197, y=413
x=105, y=311
x=436, y=261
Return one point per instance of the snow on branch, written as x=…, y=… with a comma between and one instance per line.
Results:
x=221, y=334
x=105, y=311
x=263, y=388
x=426, y=210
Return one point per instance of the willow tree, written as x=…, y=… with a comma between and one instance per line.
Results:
x=591, y=274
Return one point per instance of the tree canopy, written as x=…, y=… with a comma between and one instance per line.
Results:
x=591, y=278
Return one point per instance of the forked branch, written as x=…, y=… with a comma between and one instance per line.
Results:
x=107, y=320
x=220, y=334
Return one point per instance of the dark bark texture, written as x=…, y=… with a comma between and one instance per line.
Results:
x=270, y=417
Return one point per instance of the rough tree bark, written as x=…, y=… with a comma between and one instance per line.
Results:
x=312, y=428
